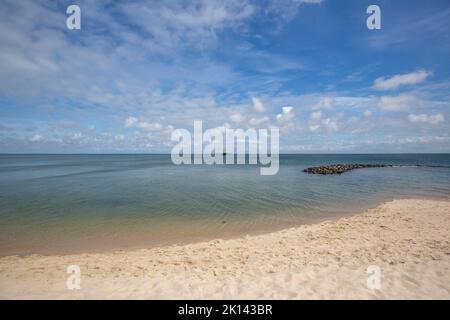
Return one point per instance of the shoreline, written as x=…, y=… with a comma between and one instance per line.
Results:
x=109, y=249
x=408, y=239
x=190, y=241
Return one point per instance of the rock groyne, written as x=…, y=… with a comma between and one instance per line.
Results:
x=341, y=168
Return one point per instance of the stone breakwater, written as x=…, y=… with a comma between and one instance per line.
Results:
x=341, y=168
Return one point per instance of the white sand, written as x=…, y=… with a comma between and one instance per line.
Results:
x=409, y=240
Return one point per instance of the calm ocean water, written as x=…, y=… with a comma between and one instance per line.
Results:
x=73, y=203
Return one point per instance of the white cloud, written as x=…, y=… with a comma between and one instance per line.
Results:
x=416, y=140
x=150, y=126
x=367, y=113
x=258, y=105
x=317, y=123
x=193, y=23
x=77, y=136
x=406, y=34
x=353, y=77
x=399, y=80
x=119, y=138
x=133, y=122
x=316, y=115
x=396, y=103
x=237, y=117
x=424, y=118
x=282, y=11
x=258, y=121
x=130, y=122
x=325, y=103
x=330, y=125
x=314, y=127
x=287, y=113
x=314, y=121
x=36, y=138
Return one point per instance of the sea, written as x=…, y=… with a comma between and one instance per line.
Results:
x=72, y=203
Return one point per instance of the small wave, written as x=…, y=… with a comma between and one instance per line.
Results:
x=420, y=166
x=400, y=166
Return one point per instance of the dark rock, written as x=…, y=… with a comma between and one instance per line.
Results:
x=341, y=168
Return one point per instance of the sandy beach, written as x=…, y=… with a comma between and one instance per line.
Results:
x=407, y=241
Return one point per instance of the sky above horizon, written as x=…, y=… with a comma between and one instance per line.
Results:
x=137, y=70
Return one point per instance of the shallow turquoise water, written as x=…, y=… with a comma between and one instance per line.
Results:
x=70, y=203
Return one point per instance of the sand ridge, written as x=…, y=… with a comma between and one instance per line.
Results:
x=408, y=240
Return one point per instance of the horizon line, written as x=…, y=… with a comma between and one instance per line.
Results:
x=165, y=153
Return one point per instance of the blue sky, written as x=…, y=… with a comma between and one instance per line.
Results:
x=137, y=70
